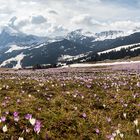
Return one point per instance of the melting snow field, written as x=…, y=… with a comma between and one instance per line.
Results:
x=102, y=64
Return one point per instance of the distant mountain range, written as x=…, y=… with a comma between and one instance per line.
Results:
x=19, y=50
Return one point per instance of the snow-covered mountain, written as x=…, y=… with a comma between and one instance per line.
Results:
x=109, y=35
x=20, y=50
x=80, y=35
x=10, y=36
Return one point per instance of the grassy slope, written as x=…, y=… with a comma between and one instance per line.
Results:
x=72, y=109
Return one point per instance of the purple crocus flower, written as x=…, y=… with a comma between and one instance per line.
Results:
x=97, y=131
x=18, y=100
x=37, y=126
x=28, y=116
x=39, y=109
x=16, y=119
x=37, y=122
x=7, y=112
x=108, y=119
x=15, y=114
x=84, y=115
x=88, y=86
x=3, y=119
x=138, y=84
x=110, y=137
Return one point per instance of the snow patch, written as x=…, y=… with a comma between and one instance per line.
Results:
x=39, y=46
x=70, y=58
x=135, y=48
x=100, y=64
x=109, y=35
x=118, y=48
x=16, y=48
x=17, y=59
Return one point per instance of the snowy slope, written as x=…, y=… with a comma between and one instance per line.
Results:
x=83, y=35
x=135, y=49
x=16, y=48
x=70, y=58
x=109, y=35
x=119, y=48
x=16, y=59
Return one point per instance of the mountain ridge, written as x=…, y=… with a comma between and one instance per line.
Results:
x=44, y=50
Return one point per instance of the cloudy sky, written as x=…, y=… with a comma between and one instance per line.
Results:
x=57, y=17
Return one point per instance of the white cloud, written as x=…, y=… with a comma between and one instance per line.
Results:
x=84, y=19
x=57, y=16
x=124, y=25
x=53, y=12
x=57, y=30
x=38, y=19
